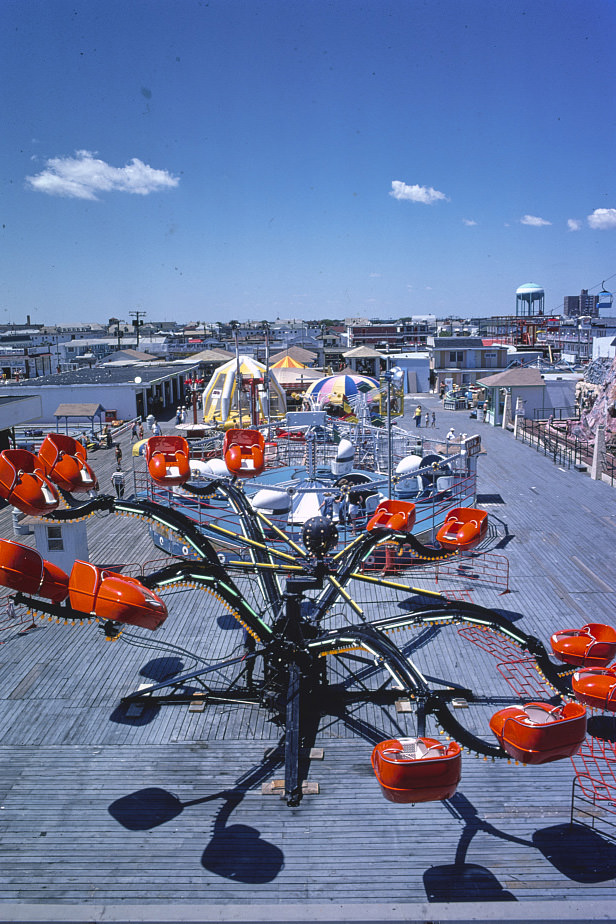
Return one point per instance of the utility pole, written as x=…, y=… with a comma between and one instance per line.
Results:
x=238, y=374
x=137, y=323
x=266, y=379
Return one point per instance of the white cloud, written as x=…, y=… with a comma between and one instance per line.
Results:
x=573, y=224
x=469, y=222
x=423, y=194
x=602, y=219
x=534, y=221
x=84, y=175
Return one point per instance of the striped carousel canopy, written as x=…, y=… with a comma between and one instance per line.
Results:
x=338, y=389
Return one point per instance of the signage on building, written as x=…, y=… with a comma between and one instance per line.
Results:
x=473, y=445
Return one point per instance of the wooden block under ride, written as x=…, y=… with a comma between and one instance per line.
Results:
x=276, y=788
x=197, y=703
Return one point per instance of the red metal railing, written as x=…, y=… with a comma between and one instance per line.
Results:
x=484, y=566
x=11, y=619
x=520, y=673
x=481, y=568
x=595, y=781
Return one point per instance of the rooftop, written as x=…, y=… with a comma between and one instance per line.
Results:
x=101, y=375
x=456, y=343
x=518, y=375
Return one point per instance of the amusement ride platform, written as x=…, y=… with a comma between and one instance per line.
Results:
x=134, y=810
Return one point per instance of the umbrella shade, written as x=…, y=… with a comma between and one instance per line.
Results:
x=194, y=429
x=139, y=448
x=336, y=389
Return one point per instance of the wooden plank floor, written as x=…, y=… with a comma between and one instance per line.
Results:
x=97, y=805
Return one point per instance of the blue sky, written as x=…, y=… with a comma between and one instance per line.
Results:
x=255, y=159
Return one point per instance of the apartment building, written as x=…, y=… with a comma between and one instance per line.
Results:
x=462, y=360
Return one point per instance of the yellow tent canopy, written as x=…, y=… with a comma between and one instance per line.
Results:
x=287, y=362
x=222, y=398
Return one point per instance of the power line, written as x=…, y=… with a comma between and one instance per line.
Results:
x=590, y=289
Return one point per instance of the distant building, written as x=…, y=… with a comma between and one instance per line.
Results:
x=128, y=390
x=462, y=360
x=583, y=304
x=604, y=348
x=401, y=334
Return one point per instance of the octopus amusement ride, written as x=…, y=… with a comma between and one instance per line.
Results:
x=304, y=613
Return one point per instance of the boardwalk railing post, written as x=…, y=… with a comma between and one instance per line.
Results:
x=598, y=454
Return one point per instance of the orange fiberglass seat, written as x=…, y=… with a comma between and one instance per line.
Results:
x=23, y=569
x=244, y=452
x=594, y=645
x=396, y=516
x=596, y=687
x=539, y=733
x=24, y=484
x=417, y=769
x=464, y=528
x=168, y=460
x=109, y=595
x=64, y=462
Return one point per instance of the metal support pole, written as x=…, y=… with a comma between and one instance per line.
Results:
x=238, y=377
x=421, y=718
x=267, y=383
x=292, y=782
x=193, y=397
x=388, y=379
x=300, y=680
x=389, y=438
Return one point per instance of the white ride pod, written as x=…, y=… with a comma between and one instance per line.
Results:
x=343, y=463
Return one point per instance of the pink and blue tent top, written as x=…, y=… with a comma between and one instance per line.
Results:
x=336, y=389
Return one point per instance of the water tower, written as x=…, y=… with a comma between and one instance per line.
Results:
x=529, y=300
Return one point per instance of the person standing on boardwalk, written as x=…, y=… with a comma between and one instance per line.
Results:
x=140, y=431
x=434, y=418
x=118, y=452
x=117, y=480
x=327, y=505
x=418, y=416
x=134, y=431
x=341, y=506
x=427, y=420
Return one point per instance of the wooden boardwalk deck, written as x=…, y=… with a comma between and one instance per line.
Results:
x=99, y=806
